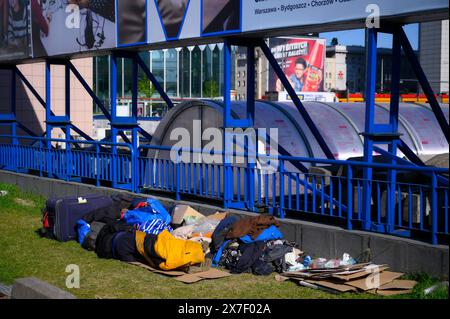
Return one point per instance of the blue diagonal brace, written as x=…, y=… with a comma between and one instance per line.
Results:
x=155, y=82
x=89, y=91
x=424, y=83
x=42, y=102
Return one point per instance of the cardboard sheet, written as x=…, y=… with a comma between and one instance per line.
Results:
x=181, y=276
x=375, y=281
x=219, y=216
x=335, y=286
x=209, y=274
x=399, y=285
x=183, y=211
x=388, y=293
x=360, y=274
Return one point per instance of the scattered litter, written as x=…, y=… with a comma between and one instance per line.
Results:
x=24, y=202
x=3, y=193
x=435, y=287
x=370, y=278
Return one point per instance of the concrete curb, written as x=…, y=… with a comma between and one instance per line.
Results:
x=33, y=288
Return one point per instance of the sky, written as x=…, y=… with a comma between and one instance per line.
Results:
x=356, y=37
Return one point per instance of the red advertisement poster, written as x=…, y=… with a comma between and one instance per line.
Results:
x=302, y=60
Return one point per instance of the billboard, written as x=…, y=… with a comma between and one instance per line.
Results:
x=73, y=26
x=131, y=22
x=15, y=29
x=47, y=28
x=303, y=62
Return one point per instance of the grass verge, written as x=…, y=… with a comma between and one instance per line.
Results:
x=24, y=254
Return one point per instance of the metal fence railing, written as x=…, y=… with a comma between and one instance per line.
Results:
x=414, y=204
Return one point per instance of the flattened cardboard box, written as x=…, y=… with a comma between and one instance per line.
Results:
x=180, y=212
x=374, y=280
x=181, y=276
x=399, y=285
x=360, y=274
x=331, y=285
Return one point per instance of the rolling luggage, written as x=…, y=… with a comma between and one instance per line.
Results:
x=60, y=215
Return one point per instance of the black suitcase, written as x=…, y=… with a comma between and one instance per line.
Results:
x=61, y=214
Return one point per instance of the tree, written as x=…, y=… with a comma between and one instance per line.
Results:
x=210, y=89
x=334, y=41
x=146, y=88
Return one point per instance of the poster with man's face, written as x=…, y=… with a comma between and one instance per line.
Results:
x=221, y=16
x=15, y=29
x=302, y=60
x=72, y=26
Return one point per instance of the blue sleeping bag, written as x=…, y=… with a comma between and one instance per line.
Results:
x=154, y=210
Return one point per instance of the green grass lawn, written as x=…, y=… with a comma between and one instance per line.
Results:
x=24, y=254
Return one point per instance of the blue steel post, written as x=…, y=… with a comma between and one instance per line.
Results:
x=228, y=146
x=394, y=122
x=252, y=144
x=371, y=80
x=13, y=97
x=68, y=127
x=113, y=103
x=134, y=115
x=434, y=209
x=282, y=190
x=48, y=114
x=349, y=197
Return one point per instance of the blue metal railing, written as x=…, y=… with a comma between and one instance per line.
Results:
x=95, y=163
x=418, y=208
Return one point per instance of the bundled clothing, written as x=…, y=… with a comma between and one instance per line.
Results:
x=104, y=242
x=120, y=241
x=167, y=252
x=252, y=226
x=250, y=245
x=260, y=257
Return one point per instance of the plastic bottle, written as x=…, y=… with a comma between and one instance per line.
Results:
x=307, y=261
x=314, y=75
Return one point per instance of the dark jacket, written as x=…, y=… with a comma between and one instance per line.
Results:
x=252, y=226
x=104, y=243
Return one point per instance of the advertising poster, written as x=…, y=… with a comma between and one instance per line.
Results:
x=221, y=16
x=132, y=22
x=302, y=60
x=72, y=26
x=15, y=29
x=172, y=14
x=273, y=14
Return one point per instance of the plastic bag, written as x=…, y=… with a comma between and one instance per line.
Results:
x=333, y=263
x=154, y=227
x=347, y=260
x=83, y=229
x=318, y=263
x=205, y=227
x=154, y=210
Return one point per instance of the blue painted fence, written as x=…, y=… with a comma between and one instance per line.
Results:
x=418, y=209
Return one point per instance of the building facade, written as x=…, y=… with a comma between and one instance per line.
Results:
x=31, y=113
x=189, y=72
x=434, y=53
x=346, y=65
